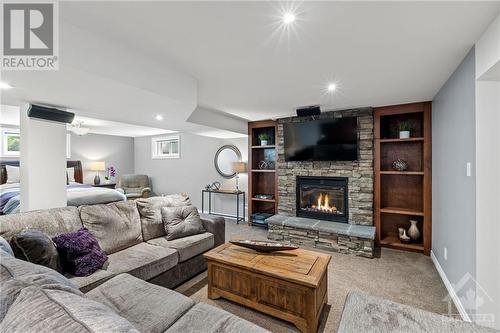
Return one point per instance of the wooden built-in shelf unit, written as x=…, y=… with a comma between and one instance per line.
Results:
x=403, y=195
x=262, y=181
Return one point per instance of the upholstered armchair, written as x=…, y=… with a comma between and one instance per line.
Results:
x=134, y=186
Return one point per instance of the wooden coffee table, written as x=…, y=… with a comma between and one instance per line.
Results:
x=290, y=285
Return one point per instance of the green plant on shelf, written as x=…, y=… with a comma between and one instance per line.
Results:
x=404, y=126
x=264, y=137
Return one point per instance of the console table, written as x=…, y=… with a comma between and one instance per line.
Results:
x=235, y=193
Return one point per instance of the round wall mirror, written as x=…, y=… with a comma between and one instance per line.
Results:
x=224, y=158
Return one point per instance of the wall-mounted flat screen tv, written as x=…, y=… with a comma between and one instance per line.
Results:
x=322, y=140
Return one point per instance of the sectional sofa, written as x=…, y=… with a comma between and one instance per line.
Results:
x=117, y=297
x=38, y=299
x=132, y=235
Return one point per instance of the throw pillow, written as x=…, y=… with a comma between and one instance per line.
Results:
x=70, y=175
x=181, y=221
x=13, y=175
x=80, y=252
x=150, y=210
x=36, y=247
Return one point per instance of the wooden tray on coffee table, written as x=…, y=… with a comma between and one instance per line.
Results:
x=291, y=285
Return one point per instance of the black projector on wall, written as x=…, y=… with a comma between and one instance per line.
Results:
x=52, y=114
x=313, y=110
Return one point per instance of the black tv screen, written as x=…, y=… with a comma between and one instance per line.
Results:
x=322, y=140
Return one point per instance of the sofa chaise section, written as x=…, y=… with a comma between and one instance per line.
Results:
x=38, y=299
x=150, y=308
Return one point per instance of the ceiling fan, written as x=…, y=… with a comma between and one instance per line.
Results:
x=77, y=128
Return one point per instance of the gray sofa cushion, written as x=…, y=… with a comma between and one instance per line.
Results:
x=150, y=210
x=87, y=283
x=187, y=247
x=48, y=310
x=208, y=319
x=143, y=260
x=116, y=226
x=181, y=221
x=364, y=313
x=148, y=307
x=51, y=222
x=15, y=274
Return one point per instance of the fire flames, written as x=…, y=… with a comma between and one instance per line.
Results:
x=323, y=204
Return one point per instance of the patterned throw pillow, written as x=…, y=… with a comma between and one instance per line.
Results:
x=35, y=247
x=80, y=252
x=181, y=221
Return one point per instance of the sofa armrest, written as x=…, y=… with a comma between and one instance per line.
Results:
x=146, y=192
x=215, y=225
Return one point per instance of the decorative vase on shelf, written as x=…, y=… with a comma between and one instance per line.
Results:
x=413, y=231
x=400, y=165
x=263, y=142
x=402, y=236
x=404, y=134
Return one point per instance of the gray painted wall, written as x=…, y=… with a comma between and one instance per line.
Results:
x=453, y=193
x=192, y=171
x=113, y=150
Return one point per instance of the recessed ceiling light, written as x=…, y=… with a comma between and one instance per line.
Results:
x=332, y=87
x=159, y=117
x=288, y=18
x=5, y=85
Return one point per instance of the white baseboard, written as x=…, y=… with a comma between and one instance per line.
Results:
x=451, y=291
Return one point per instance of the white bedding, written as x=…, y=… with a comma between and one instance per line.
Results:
x=77, y=194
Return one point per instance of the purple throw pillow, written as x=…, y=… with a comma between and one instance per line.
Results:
x=80, y=252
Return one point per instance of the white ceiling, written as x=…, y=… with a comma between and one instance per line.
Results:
x=9, y=115
x=127, y=61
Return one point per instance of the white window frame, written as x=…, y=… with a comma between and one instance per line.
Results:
x=5, y=134
x=68, y=145
x=156, y=154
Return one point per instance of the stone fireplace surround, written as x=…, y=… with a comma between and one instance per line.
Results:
x=358, y=239
x=360, y=173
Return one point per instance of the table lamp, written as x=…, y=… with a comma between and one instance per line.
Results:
x=238, y=167
x=97, y=166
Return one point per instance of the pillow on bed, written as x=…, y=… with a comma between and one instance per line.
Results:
x=12, y=174
x=70, y=172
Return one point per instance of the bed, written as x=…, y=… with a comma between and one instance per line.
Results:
x=77, y=193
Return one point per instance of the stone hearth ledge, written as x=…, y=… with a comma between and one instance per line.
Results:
x=326, y=235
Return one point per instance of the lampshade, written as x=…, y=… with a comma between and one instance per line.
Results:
x=97, y=166
x=239, y=167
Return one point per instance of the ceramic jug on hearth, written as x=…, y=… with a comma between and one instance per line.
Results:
x=413, y=231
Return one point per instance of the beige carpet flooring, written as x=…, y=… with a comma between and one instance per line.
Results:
x=403, y=277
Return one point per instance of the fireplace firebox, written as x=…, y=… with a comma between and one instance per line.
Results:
x=324, y=198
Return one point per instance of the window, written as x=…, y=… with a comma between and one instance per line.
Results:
x=166, y=147
x=10, y=142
